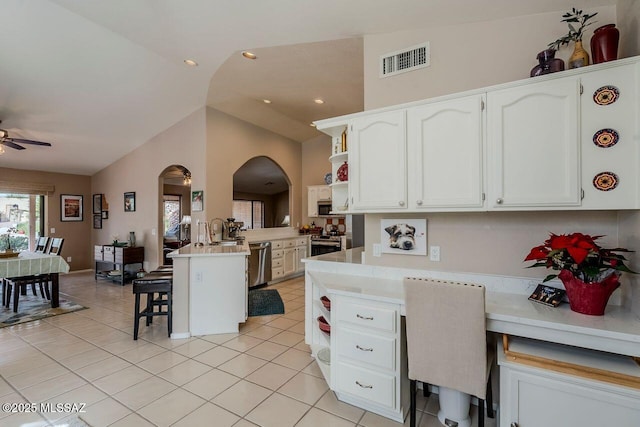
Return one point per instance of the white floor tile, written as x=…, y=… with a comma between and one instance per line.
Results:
x=242, y=397
x=278, y=411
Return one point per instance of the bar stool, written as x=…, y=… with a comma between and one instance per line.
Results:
x=152, y=284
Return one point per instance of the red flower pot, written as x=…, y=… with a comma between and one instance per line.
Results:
x=588, y=298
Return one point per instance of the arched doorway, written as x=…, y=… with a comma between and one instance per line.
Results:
x=261, y=194
x=174, y=211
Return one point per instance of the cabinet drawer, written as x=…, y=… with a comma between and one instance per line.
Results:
x=108, y=254
x=276, y=273
x=290, y=243
x=278, y=262
x=278, y=253
x=370, y=385
x=276, y=244
x=97, y=253
x=369, y=316
x=375, y=350
x=301, y=242
x=119, y=255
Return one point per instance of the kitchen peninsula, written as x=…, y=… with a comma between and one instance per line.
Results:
x=209, y=289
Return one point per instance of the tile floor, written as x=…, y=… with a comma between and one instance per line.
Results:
x=262, y=376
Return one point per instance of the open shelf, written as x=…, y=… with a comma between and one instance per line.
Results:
x=324, y=368
x=339, y=157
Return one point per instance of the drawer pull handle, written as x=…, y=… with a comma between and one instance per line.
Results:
x=363, y=386
x=363, y=348
x=359, y=316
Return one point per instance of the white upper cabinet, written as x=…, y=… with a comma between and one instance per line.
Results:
x=611, y=138
x=533, y=145
x=377, y=162
x=446, y=155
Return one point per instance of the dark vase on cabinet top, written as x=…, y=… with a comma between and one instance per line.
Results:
x=547, y=63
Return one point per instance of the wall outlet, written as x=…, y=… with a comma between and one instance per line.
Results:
x=153, y=231
x=198, y=276
x=53, y=230
x=377, y=249
x=434, y=253
x=68, y=259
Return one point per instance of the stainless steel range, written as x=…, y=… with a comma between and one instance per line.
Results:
x=325, y=244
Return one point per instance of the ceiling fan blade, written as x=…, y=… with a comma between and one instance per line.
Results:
x=28, y=141
x=11, y=144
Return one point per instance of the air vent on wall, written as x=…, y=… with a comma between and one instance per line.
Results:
x=404, y=60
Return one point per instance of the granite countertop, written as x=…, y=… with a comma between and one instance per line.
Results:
x=211, y=250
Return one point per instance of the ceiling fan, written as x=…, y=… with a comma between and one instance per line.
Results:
x=13, y=142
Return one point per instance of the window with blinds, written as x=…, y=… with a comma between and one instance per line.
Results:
x=251, y=212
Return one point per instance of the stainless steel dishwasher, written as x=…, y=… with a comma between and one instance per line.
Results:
x=259, y=264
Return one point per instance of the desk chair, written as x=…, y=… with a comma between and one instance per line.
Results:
x=447, y=341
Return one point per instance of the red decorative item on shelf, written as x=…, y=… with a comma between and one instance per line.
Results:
x=324, y=326
x=343, y=172
x=588, y=298
x=326, y=302
x=604, y=44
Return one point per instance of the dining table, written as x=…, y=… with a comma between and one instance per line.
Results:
x=33, y=264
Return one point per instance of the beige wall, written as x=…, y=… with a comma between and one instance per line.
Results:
x=467, y=56
x=315, y=158
x=77, y=244
x=472, y=56
x=230, y=144
x=181, y=144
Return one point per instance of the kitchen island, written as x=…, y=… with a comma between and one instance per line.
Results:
x=209, y=289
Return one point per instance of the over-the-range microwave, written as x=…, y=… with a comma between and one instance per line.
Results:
x=324, y=208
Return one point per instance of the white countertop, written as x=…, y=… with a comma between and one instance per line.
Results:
x=210, y=250
x=507, y=305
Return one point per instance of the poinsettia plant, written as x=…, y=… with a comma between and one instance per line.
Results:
x=581, y=255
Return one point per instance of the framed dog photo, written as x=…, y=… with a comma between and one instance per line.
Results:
x=403, y=236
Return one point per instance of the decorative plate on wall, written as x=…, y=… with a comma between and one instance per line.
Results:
x=606, y=138
x=606, y=95
x=606, y=181
x=328, y=178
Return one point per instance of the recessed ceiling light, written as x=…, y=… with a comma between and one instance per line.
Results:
x=191, y=62
x=266, y=101
x=249, y=55
x=318, y=101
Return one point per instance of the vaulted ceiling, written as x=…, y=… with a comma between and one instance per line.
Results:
x=99, y=78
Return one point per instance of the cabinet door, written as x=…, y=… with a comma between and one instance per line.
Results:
x=289, y=261
x=312, y=202
x=574, y=402
x=377, y=162
x=301, y=253
x=324, y=192
x=533, y=145
x=445, y=154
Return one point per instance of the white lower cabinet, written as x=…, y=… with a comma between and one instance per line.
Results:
x=287, y=256
x=533, y=396
x=369, y=352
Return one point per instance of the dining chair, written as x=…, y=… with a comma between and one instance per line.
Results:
x=447, y=342
x=55, y=248
x=42, y=245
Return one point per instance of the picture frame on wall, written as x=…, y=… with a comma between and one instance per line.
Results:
x=71, y=207
x=97, y=221
x=97, y=203
x=130, y=201
x=197, y=201
x=402, y=236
